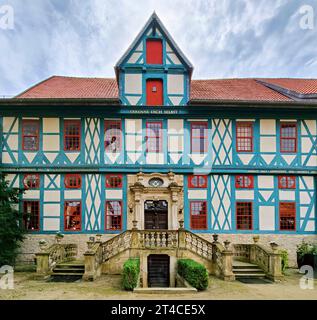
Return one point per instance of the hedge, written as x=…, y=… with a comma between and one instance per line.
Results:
x=131, y=271
x=193, y=272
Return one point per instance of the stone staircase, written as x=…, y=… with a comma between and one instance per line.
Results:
x=68, y=271
x=248, y=270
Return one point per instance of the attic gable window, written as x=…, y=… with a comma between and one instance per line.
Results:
x=154, y=51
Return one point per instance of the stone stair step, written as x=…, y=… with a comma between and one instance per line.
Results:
x=66, y=274
x=245, y=267
x=250, y=275
x=247, y=270
x=69, y=270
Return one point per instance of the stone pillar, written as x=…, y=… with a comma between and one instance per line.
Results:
x=143, y=264
x=275, y=267
x=42, y=263
x=227, y=256
x=90, y=272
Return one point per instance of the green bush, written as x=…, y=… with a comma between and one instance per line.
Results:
x=131, y=271
x=193, y=272
x=284, y=260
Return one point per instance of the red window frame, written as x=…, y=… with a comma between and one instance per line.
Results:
x=288, y=139
x=151, y=135
x=290, y=182
x=36, y=123
x=244, y=139
x=245, y=179
x=115, y=177
x=287, y=216
x=198, y=221
x=116, y=219
x=72, y=181
x=154, y=51
x=113, y=128
x=200, y=183
x=73, y=214
x=199, y=137
x=244, y=220
x=73, y=136
x=34, y=212
x=35, y=184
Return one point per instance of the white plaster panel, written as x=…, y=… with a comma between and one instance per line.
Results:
x=306, y=145
x=133, y=83
x=309, y=180
x=267, y=218
x=311, y=125
x=268, y=144
x=245, y=194
x=154, y=158
x=6, y=158
x=197, y=194
x=133, y=125
x=51, y=209
x=175, y=143
x=175, y=84
x=265, y=182
x=114, y=194
x=10, y=177
x=51, y=143
x=7, y=123
x=50, y=125
x=175, y=126
x=174, y=58
x=134, y=57
x=13, y=142
x=50, y=195
x=267, y=126
x=31, y=194
x=310, y=226
x=304, y=197
x=51, y=224
x=72, y=194
x=286, y=195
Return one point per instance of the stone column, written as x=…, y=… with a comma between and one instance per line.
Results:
x=42, y=263
x=275, y=267
x=90, y=273
x=227, y=256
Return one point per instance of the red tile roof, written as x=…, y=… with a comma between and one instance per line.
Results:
x=71, y=87
x=302, y=86
x=233, y=89
x=222, y=89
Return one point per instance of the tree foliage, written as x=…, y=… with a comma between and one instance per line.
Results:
x=11, y=230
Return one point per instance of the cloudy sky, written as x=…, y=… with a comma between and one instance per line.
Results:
x=222, y=38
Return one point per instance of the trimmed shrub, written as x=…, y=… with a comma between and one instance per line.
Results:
x=131, y=271
x=193, y=272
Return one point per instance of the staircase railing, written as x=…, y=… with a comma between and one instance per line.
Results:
x=49, y=257
x=268, y=260
x=219, y=257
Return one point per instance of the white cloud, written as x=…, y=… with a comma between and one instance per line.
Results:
x=228, y=38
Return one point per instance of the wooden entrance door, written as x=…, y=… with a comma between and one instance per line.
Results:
x=158, y=270
x=155, y=214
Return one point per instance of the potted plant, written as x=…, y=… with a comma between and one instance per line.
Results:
x=59, y=236
x=303, y=249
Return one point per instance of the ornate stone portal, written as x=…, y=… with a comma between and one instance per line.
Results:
x=155, y=187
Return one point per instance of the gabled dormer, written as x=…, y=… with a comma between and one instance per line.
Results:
x=154, y=71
